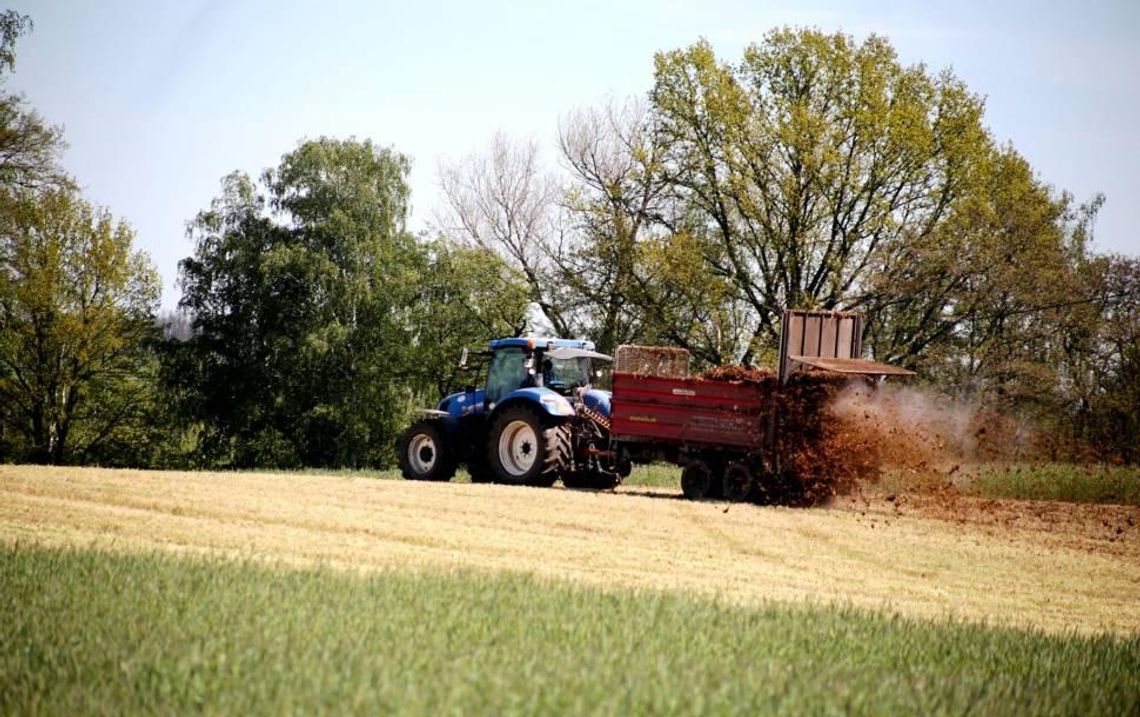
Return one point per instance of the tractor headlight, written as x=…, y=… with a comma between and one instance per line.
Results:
x=557, y=404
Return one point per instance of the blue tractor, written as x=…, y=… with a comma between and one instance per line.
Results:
x=537, y=420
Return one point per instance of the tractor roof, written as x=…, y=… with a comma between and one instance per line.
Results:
x=532, y=342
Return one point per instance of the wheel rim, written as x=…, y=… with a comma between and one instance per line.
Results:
x=422, y=453
x=518, y=448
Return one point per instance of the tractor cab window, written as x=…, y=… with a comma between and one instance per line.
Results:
x=507, y=373
x=564, y=375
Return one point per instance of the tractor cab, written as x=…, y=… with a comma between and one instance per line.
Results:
x=560, y=365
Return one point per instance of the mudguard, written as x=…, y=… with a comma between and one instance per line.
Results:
x=548, y=402
x=598, y=401
x=464, y=403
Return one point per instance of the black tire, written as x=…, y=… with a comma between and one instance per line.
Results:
x=523, y=451
x=479, y=471
x=699, y=480
x=424, y=453
x=739, y=483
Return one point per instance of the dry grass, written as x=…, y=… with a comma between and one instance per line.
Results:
x=864, y=556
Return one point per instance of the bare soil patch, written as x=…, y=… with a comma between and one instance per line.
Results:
x=1088, y=527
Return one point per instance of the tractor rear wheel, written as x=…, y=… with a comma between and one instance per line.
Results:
x=424, y=453
x=523, y=451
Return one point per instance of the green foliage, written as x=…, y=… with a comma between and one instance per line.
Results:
x=820, y=172
x=468, y=296
x=91, y=632
x=813, y=162
x=12, y=25
x=298, y=330
x=1053, y=481
x=319, y=320
x=1100, y=396
x=75, y=307
x=76, y=380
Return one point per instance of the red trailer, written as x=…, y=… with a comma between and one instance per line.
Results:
x=725, y=434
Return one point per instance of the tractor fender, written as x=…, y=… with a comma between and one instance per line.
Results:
x=463, y=403
x=598, y=401
x=448, y=425
x=546, y=402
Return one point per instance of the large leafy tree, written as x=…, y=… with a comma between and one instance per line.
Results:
x=812, y=161
x=318, y=319
x=75, y=300
x=75, y=312
x=298, y=290
x=630, y=262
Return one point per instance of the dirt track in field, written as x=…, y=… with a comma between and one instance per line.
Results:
x=1053, y=566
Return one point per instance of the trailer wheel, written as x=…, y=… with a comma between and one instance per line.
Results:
x=739, y=483
x=521, y=451
x=424, y=453
x=698, y=480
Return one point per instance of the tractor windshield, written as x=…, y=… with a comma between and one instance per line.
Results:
x=564, y=375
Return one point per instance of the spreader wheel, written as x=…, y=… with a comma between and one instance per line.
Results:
x=699, y=480
x=739, y=483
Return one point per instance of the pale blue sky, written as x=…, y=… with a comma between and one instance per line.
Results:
x=161, y=99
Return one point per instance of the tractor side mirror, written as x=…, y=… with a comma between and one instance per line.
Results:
x=463, y=359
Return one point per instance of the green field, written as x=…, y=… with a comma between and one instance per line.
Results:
x=1059, y=481
x=90, y=632
x=1070, y=483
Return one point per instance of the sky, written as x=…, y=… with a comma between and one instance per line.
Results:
x=159, y=99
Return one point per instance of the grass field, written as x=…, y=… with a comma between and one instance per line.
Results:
x=92, y=632
x=1055, y=481
x=141, y=591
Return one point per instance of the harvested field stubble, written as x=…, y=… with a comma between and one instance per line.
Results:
x=1056, y=576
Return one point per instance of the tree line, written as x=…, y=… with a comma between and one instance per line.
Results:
x=814, y=172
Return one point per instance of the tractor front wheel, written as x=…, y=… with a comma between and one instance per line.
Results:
x=424, y=453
